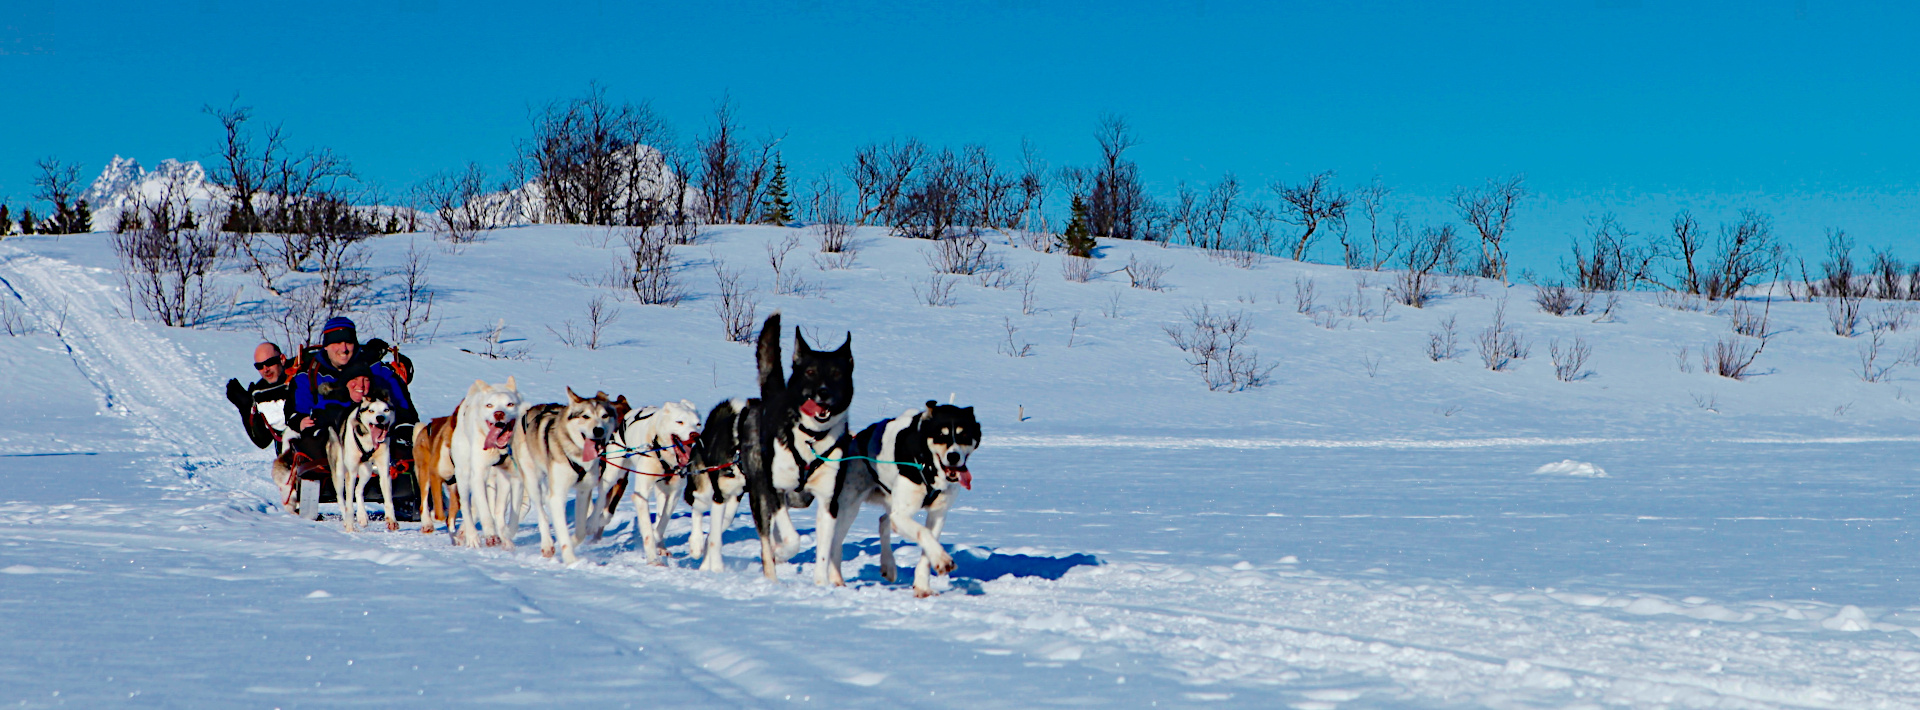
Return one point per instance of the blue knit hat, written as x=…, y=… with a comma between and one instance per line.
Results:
x=339, y=330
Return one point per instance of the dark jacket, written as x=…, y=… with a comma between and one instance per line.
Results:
x=271, y=394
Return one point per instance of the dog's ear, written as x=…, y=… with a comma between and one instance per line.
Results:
x=511, y=385
x=477, y=387
x=689, y=405
x=800, y=344
x=931, y=404
x=574, y=398
x=846, y=348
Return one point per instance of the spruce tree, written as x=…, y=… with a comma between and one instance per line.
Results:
x=778, y=207
x=82, y=218
x=1077, y=240
x=26, y=220
x=6, y=221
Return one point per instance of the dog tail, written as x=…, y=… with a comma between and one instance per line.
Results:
x=773, y=381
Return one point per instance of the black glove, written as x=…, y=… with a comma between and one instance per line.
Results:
x=239, y=396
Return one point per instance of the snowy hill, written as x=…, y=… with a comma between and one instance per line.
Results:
x=1373, y=528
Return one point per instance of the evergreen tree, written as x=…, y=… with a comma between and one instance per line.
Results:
x=82, y=221
x=26, y=220
x=6, y=221
x=1077, y=240
x=778, y=207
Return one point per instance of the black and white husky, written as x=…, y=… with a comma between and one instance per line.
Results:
x=357, y=451
x=714, y=481
x=907, y=464
x=793, y=439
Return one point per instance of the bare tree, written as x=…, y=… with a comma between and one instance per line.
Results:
x=650, y=274
x=1309, y=205
x=460, y=204
x=1746, y=251
x=596, y=162
x=169, y=261
x=1443, y=344
x=412, y=311
x=1033, y=188
x=1839, y=275
x=1416, y=283
x=1570, y=363
x=1382, y=244
x=734, y=172
x=1489, y=210
x=934, y=203
x=1117, y=204
x=1611, y=261
x=880, y=173
x=600, y=314
x=1501, y=345
x=59, y=184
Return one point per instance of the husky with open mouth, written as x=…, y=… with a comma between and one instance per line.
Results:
x=559, y=449
x=908, y=464
x=480, y=448
x=652, y=449
x=358, y=451
x=793, y=441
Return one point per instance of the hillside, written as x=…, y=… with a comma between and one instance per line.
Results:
x=1370, y=528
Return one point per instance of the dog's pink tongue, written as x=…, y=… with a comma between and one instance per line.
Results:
x=966, y=479
x=499, y=437
x=590, y=450
x=813, y=409
x=683, y=450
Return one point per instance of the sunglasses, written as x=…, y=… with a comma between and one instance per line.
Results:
x=274, y=361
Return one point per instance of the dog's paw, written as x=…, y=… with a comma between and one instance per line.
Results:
x=943, y=564
x=546, y=550
x=393, y=526
x=920, y=593
x=889, y=573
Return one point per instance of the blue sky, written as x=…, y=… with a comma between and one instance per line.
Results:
x=1806, y=108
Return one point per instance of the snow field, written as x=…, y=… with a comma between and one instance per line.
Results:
x=1337, y=539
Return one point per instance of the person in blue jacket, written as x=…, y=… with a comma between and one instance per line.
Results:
x=321, y=396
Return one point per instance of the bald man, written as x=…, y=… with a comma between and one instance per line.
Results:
x=263, y=405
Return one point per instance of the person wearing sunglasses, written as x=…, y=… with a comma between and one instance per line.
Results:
x=263, y=405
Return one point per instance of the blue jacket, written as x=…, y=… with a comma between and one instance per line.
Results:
x=322, y=392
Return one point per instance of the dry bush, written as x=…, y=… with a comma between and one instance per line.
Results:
x=965, y=255
x=1680, y=301
x=1891, y=317
x=787, y=280
x=1145, y=273
x=13, y=319
x=1683, y=359
x=736, y=306
x=1490, y=210
x=1077, y=269
x=1746, y=321
x=1444, y=344
x=1732, y=357
x=1355, y=305
x=1843, y=314
x=1434, y=249
x=938, y=291
x=495, y=345
x=1012, y=346
x=1570, y=364
x=1500, y=345
x=169, y=263
x=600, y=314
x=1326, y=318
x=1876, y=364
x=649, y=272
x=461, y=205
x=1560, y=300
x=1304, y=296
x=1215, y=344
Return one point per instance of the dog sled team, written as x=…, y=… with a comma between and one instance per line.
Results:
x=342, y=421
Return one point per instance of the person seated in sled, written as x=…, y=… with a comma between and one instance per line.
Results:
x=263, y=405
x=321, y=397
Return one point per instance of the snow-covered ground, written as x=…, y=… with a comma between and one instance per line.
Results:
x=1373, y=529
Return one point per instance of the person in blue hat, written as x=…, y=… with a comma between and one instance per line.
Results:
x=321, y=396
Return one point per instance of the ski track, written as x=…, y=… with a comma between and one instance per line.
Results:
x=1242, y=635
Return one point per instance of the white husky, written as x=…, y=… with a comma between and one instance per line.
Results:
x=557, y=450
x=358, y=451
x=652, y=446
x=481, y=441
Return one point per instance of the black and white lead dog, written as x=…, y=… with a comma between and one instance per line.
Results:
x=907, y=464
x=792, y=440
